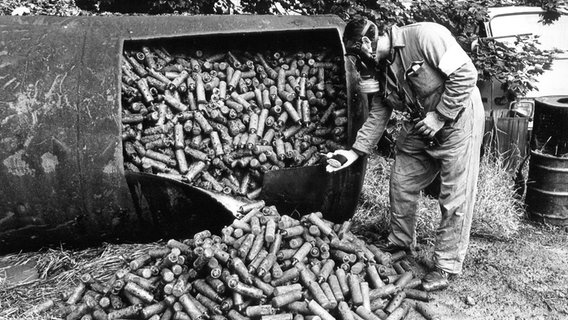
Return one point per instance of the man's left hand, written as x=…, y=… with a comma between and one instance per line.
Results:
x=430, y=125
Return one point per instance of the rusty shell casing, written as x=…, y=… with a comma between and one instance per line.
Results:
x=400, y=312
x=318, y=310
x=181, y=161
x=116, y=302
x=396, y=256
x=280, y=290
x=392, y=278
x=253, y=122
x=344, y=311
x=435, y=285
x=366, y=314
x=385, y=271
x=343, y=256
x=398, y=267
x=285, y=254
x=322, y=245
x=276, y=271
x=378, y=304
x=241, y=270
x=100, y=314
x=355, y=289
x=266, y=265
x=290, y=275
x=255, y=225
x=302, y=252
x=374, y=277
x=335, y=287
x=127, y=312
x=201, y=286
x=358, y=267
x=306, y=275
x=280, y=316
x=77, y=293
x=235, y=315
x=246, y=245
x=79, y=311
x=292, y=231
x=190, y=307
x=203, y=122
x=356, y=316
x=395, y=301
x=298, y=307
x=414, y=283
x=365, y=294
x=255, y=263
x=181, y=285
x=417, y=294
x=153, y=309
x=246, y=290
x=343, y=283
x=139, y=292
x=404, y=279
x=216, y=283
x=348, y=247
x=324, y=227
x=383, y=292
x=194, y=169
x=286, y=298
x=257, y=245
x=216, y=143
x=291, y=111
x=180, y=315
x=270, y=234
x=329, y=294
x=264, y=286
x=259, y=310
x=212, y=306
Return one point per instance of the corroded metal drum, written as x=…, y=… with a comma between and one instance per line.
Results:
x=547, y=185
x=60, y=131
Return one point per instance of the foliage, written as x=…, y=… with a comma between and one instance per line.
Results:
x=514, y=67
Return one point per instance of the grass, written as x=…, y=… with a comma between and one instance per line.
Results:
x=497, y=212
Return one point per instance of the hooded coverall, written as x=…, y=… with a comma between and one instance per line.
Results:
x=431, y=66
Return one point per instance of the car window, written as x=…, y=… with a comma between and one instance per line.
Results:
x=552, y=36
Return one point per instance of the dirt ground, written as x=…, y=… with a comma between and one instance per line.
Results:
x=526, y=278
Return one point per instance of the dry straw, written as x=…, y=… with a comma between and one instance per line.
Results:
x=497, y=212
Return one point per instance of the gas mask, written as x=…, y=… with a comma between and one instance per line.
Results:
x=363, y=53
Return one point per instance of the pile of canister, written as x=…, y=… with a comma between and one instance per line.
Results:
x=219, y=121
x=264, y=266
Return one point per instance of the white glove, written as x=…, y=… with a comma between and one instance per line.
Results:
x=349, y=156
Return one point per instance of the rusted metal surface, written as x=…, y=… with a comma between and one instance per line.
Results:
x=60, y=149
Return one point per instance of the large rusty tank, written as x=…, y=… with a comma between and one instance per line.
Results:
x=60, y=141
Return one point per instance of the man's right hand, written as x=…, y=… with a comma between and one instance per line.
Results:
x=349, y=155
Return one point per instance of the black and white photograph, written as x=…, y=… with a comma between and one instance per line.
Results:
x=283, y=160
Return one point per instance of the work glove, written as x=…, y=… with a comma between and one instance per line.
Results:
x=430, y=125
x=340, y=159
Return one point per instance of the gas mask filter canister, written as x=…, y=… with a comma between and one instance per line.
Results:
x=367, y=67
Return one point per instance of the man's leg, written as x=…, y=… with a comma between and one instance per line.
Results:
x=413, y=170
x=459, y=173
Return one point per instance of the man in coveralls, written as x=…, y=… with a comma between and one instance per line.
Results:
x=426, y=73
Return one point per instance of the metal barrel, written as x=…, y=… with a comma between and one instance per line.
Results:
x=549, y=127
x=61, y=152
x=547, y=184
x=547, y=189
